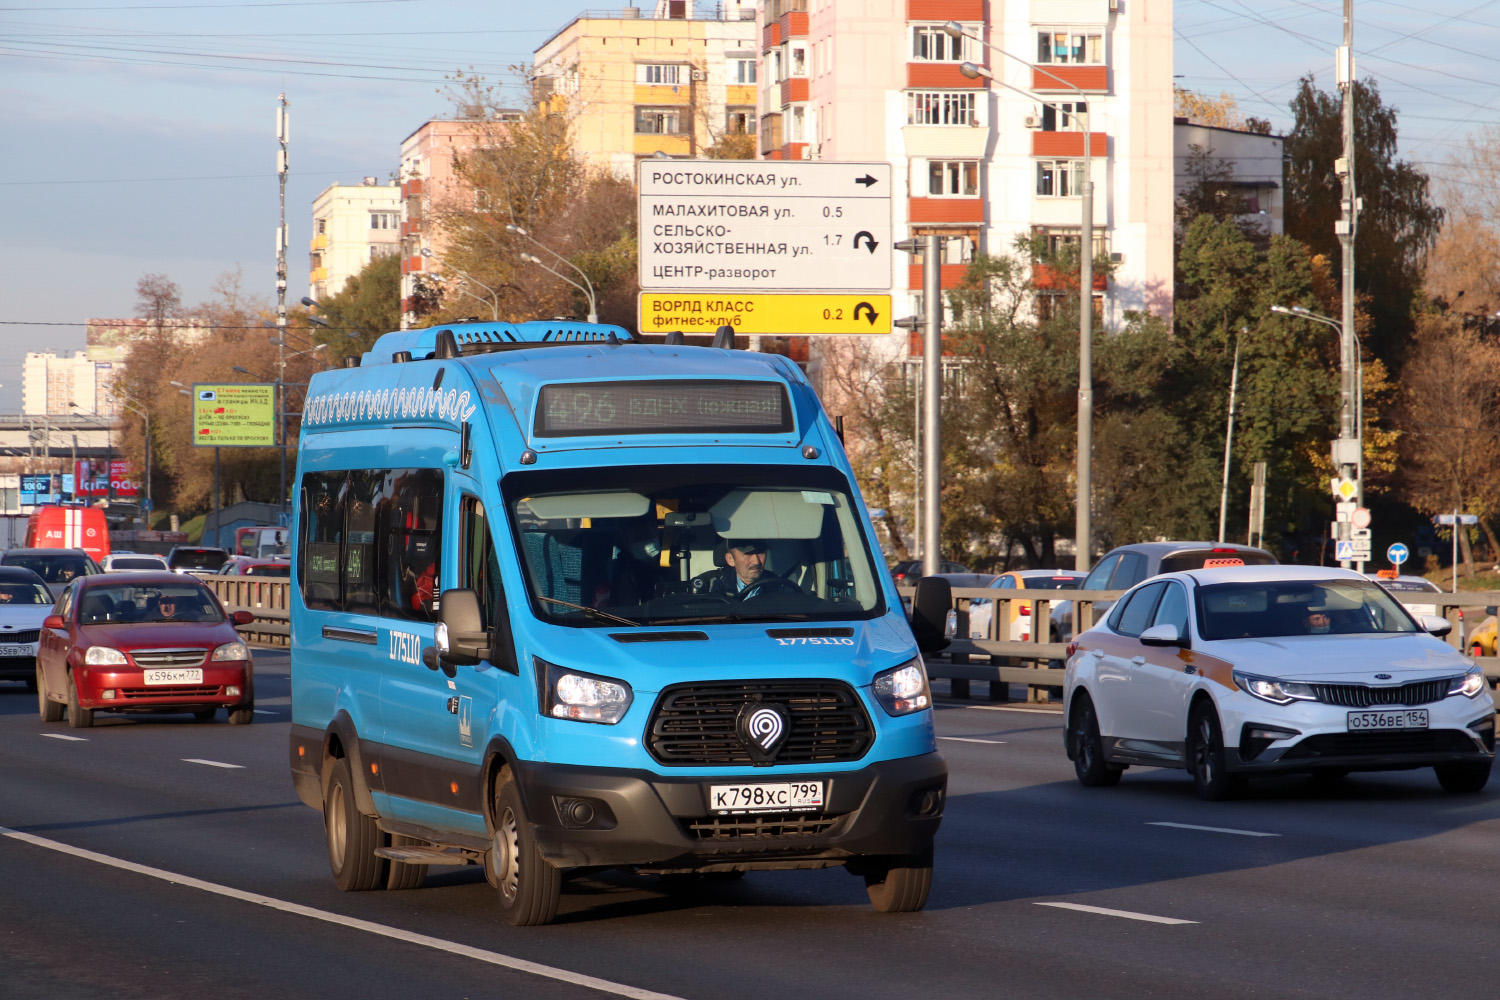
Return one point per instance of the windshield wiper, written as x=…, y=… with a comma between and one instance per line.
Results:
x=733, y=619
x=591, y=612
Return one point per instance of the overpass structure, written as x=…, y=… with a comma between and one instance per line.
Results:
x=51, y=435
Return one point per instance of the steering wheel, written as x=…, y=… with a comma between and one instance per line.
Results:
x=769, y=583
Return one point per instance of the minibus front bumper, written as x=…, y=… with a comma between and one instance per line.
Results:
x=611, y=817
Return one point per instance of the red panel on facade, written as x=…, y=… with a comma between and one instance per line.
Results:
x=793, y=88
x=1068, y=144
x=1047, y=280
x=914, y=345
x=1094, y=78
x=945, y=210
x=411, y=265
x=952, y=275
x=945, y=75
x=770, y=35
x=945, y=10
x=794, y=151
x=410, y=188
x=794, y=24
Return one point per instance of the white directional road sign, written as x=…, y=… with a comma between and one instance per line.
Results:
x=762, y=226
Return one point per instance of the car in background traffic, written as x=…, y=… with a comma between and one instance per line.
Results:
x=1406, y=590
x=143, y=642
x=1238, y=671
x=252, y=566
x=56, y=567
x=124, y=562
x=1125, y=566
x=907, y=571
x=24, y=602
x=198, y=560
x=1020, y=615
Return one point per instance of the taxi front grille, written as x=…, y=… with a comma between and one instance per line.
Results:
x=168, y=657
x=761, y=827
x=31, y=635
x=694, y=724
x=1365, y=696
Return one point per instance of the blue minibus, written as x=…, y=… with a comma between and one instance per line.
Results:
x=563, y=601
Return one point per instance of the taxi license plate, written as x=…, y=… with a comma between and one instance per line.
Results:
x=156, y=676
x=781, y=796
x=1408, y=718
x=11, y=649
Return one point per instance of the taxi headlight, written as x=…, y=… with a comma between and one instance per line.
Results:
x=1469, y=685
x=104, y=656
x=1275, y=691
x=572, y=694
x=903, y=690
x=232, y=651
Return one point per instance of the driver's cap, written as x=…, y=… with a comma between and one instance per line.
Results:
x=749, y=546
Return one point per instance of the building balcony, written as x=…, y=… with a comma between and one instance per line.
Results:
x=945, y=10
x=672, y=145
x=411, y=227
x=742, y=94
x=951, y=275
x=663, y=94
x=793, y=25
x=318, y=274
x=1093, y=79
x=1045, y=279
x=411, y=265
x=320, y=242
x=411, y=188
x=945, y=210
x=945, y=76
x=1069, y=144
x=770, y=35
x=793, y=90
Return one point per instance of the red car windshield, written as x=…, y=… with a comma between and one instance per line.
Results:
x=147, y=603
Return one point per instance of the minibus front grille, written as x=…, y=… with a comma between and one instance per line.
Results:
x=762, y=827
x=694, y=724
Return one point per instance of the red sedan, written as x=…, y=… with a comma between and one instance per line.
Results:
x=143, y=642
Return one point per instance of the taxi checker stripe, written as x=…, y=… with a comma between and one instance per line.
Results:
x=368, y=926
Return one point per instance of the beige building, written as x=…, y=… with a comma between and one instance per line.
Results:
x=352, y=225
x=665, y=79
x=1252, y=164
x=50, y=382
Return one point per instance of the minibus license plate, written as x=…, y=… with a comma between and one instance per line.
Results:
x=1407, y=718
x=781, y=796
x=11, y=649
x=174, y=675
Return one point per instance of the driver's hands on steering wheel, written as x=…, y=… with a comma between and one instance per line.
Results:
x=769, y=583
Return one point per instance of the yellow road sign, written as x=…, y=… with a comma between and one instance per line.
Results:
x=234, y=415
x=779, y=314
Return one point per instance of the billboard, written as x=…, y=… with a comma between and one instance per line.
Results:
x=96, y=478
x=234, y=415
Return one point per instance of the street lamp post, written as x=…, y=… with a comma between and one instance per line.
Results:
x=494, y=296
x=589, y=291
x=534, y=259
x=1083, y=527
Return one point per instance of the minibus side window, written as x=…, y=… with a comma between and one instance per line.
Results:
x=318, y=560
x=481, y=565
x=361, y=579
x=409, y=522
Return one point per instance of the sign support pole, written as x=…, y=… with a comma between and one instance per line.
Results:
x=932, y=384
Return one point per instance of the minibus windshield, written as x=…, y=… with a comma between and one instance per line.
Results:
x=670, y=545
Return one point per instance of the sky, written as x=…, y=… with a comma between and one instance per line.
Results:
x=141, y=135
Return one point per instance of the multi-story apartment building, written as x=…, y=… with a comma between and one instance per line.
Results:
x=676, y=81
x=1245, y=164
x=998, y=155
x=352, y=225
x=64, y=386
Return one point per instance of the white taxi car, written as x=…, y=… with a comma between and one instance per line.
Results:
x=1237, y=671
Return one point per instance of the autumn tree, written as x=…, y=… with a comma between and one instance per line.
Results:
x=1463, y=270
x=1217, y=112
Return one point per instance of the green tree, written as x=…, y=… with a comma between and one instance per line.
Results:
x=1398, y=224
x=367, y=306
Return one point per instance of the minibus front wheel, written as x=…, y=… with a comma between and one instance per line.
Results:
x=529, y=887
x=900, y=885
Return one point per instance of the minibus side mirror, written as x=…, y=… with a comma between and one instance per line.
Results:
x=460, y=635
x=929, y=613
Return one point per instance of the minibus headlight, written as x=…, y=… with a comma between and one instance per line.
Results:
x=104, y=656
x=1275, y=691
x=903, y=690
x=232, y=651
x=572, y=694
x=1470, y=684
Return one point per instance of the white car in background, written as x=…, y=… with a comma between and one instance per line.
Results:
x=1237, y=671
x=127, y=562
x=24, y=602
x=1409, y=590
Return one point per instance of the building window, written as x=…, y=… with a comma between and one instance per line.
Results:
x=940, y=107
x=1058, y=178
x=1055, y=45
x=1061, y=117
x=930, y=43
x=658, y=121
x=958, y=245
x=798, y=60
x=740, y=121
x=1054, y=239
x=385, y=220
x=953, y=178
x=379, y=250
x=742, y=71
x=797, y=124
x=1051, y=305
x=322, y=225
x=775, y=66
x=665, y=73
x=316, y=260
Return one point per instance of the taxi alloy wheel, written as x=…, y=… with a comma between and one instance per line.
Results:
x=1205, y=753
x=529, y=887
x=1088, y=747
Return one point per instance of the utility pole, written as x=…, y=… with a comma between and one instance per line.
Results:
x=1347, y=449
x=283, y=137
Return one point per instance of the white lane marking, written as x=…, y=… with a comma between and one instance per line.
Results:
x=213, y=763
x=1215, y=829
x=261, y=711
x=1006, y=708
x=969, y=739
x=1128, y=915
x=354, y=923
x=63, y=736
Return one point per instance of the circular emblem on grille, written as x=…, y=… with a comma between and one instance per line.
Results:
x=1382, y=677
x=762, y=729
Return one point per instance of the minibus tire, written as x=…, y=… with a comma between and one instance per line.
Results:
x=49, y=710
x=902, y=885
x=352, y=836
x=527, y=885
x=78, y=718
x=402, y=875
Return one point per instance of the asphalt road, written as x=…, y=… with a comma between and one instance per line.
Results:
x=132, y=864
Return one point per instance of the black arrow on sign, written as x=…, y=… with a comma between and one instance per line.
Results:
x=868, y=236
x=867, y=308
x=866, y=180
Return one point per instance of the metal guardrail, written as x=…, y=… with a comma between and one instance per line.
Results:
x=266, y=597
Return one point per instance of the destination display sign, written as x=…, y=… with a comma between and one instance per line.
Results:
x=765, y=226
x=775, y=314
x=589, y=409
x=234, y=415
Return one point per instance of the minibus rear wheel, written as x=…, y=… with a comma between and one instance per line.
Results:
x=352, y=836
x=902, y=885
x=529, y=887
